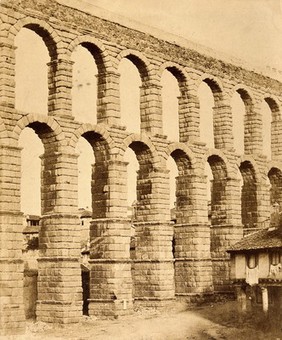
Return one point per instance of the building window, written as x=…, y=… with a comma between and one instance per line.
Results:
x=275, y=258
x=252, y=260
x=258, y=295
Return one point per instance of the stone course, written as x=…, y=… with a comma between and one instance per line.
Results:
x=180, y=260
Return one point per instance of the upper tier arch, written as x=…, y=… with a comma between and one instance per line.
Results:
x=96, y=48
x=50, y=37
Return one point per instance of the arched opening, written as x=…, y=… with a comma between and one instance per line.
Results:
x=238, y=115
x=275, y=179
x=30, y=172
x=266, y=129
x=218, y=220
x=271, y=116
x=84, y=90
x=144, y=184
x=130, y=82
x=170, y=105
x=86, y=161
x=206, y=100
x=132, y=173
x=209, y=181
x=142, y=162
x=181, y=175
x=31, y=88
x=218, y=190
x=85, y=165
x=92, y=181
x=173, y=175
x=32, y=142
x=180, y=170
x=248, y=124
x=248, y=196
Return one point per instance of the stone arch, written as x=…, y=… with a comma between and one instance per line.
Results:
x=221, y=171
x=140, y=61
x=275, y=177
x=246, y=95
x=274, y=107
x=252, y=122
x=249, y=201
x=220, y=156
x=180, y=101
x=102, y=147
x=47, y=128
x=215, y=85
x=50, y=37
x=143, y=154
x=218, y=204
x=97, y=130
x=217, y=119
x=251, y=161
x=144, y=140
x=177, y=71
x=273, y=164
x=218, y=166
x=182, y=161
x=146, y=178
x=54, y=143
x=185, y=164
x=97, y=50
x=270, y=126
x=184, y=149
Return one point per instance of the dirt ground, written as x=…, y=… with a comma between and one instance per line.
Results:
x=174, y=325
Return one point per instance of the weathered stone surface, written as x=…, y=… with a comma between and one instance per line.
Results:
x=183, y=260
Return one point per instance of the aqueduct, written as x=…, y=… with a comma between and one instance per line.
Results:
x=196, y=264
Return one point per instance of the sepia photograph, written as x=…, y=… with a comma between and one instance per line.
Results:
x=141, y=169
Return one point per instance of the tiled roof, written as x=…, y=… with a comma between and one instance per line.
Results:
x=33, y=217
x=263, y=239
x=31, y=229
x=85, y=213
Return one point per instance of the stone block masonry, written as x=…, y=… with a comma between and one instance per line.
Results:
x=180, y=260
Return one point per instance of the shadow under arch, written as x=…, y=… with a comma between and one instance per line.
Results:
x=135, y=139
x=218, y=190
x=246, y=95
x=211, y=99
x=184, y=182
x=174, y=91
x=41, y=28
x=89, y=131
x=275, y=178
x=140, y=61
x=145, y=185
x=249, y=203
x=274, y=107
x=178, y=72
x=47, y=128
x=216, y=89
x=97, y=50
x=100, y=171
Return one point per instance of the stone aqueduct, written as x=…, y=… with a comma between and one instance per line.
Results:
x=199, y=264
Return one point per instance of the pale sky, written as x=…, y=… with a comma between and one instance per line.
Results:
x=247, y=29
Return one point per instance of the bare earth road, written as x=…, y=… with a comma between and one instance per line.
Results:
x=167, y=326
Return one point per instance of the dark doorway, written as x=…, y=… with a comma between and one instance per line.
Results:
x=85, y=291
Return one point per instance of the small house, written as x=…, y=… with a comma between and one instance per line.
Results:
x=256, y=269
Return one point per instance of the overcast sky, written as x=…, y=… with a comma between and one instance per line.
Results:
x=247, y=29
